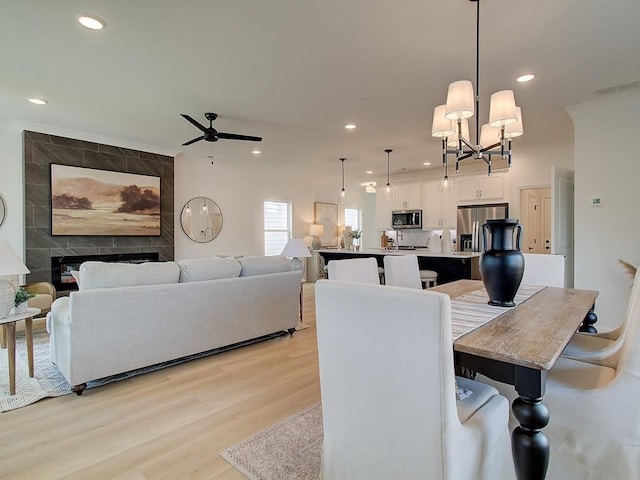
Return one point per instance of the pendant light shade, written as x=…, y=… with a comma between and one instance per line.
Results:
x=460, y=100
x=489, y=135
x=502, y=110
x=204, y=210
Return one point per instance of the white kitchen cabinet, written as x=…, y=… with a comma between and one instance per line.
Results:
x=384, y=208
x=438, y=209
x=406, y=196
x=481, y=187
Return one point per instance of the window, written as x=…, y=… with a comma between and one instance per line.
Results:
x=277, y=226
x=352, y=218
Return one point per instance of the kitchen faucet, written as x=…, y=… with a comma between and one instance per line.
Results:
x=399, y=236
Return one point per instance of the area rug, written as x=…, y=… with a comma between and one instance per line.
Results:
x=289, y=450
x=49, y=382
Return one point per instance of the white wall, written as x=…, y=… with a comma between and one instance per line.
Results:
x=240, y=192
x=12, y=185
x=607, y=166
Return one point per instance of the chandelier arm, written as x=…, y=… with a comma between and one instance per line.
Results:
x=490, y=147
x=464, y=157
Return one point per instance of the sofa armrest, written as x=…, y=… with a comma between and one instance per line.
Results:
x=59, y=313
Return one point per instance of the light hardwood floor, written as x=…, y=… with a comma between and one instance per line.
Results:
x=167, y=424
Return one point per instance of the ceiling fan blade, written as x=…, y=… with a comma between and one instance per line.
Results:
x=193, y=122
x=235, y=136
x=193, y=141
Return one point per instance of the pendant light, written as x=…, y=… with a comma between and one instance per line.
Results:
x=388, y=191
x=344, y=199
x=450, y=120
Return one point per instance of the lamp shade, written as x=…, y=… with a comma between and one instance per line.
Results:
x=316, y=230
x=460, y=100
x=502, y=110
x=10, y=263
x=441, y=126
x=515, y=129
x=295, y=247
x=489, y=135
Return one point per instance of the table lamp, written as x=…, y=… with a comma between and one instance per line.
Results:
x=316, y=231
x=10, y=264
x=294, y=249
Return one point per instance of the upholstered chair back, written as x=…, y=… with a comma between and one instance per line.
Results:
x=543, y=269
x=402, y=271
x=388, y=389
x=630, y=351
x=361, y=270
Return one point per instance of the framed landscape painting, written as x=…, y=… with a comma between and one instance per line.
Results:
x=327, y=214
x=88, y=201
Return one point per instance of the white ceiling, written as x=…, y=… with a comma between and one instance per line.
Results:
x=296, y=71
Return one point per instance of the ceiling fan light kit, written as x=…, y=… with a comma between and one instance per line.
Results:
x=451, y=125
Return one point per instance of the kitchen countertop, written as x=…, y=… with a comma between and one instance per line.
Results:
x=421, y=252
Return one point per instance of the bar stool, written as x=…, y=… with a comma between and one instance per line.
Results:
x=429, y=278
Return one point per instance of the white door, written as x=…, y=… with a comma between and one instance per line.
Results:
x=562, y=218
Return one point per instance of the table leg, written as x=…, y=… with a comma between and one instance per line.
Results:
x=589, y=320
x=10, y=332
x=28, y=327
x=529, y=445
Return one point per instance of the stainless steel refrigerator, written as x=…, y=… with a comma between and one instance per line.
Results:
x=470, y=221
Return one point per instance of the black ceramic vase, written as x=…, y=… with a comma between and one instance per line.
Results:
x=502, y=263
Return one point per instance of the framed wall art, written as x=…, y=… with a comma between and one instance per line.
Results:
x=326, y=214
x=89, y=201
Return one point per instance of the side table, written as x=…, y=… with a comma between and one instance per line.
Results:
x=9, y=334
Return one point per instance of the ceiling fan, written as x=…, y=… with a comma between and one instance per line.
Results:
x=211, y=134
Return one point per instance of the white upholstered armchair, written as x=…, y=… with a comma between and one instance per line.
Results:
x=388, y=391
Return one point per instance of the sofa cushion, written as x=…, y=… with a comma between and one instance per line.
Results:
x=262, y=265
x=110, y=275
x=199, y=269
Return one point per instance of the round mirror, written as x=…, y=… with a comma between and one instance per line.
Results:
x=201, y=219
x=1, y=210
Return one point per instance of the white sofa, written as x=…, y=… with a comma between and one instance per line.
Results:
x=127, y=316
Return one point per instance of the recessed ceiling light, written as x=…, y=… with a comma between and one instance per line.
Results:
x=525, y=78
x=369, y=172
x=256, y=152
x=350, y=126
x=38, y=101
x=92, y=22
x=426, y=164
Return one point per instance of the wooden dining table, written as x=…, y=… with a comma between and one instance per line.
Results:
x=518, y=348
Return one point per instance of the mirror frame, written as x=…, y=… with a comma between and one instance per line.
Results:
x=213, y=210
x=3, y=210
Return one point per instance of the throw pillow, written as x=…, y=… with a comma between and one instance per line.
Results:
x=199, y=269
x=263, y=265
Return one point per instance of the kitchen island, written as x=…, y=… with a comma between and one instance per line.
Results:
x=450, y=266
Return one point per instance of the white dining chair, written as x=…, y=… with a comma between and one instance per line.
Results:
x=601, y=350
x=388, y=392
x=542, y=269
x=594, y=426
x=402, y=271
x=363, y=270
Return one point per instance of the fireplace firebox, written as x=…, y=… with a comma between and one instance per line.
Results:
x=61, y=267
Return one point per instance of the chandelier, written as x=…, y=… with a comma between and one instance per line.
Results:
x=451, y=125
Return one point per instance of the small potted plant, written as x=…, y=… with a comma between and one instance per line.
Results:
x=355, y=236
x=20, y=303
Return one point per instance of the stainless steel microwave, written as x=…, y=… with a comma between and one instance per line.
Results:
x=406, y=219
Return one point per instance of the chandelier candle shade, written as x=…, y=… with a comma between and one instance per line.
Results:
x=294, y=249
x=10, y=265
x=316, y=231
x=451, y=125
